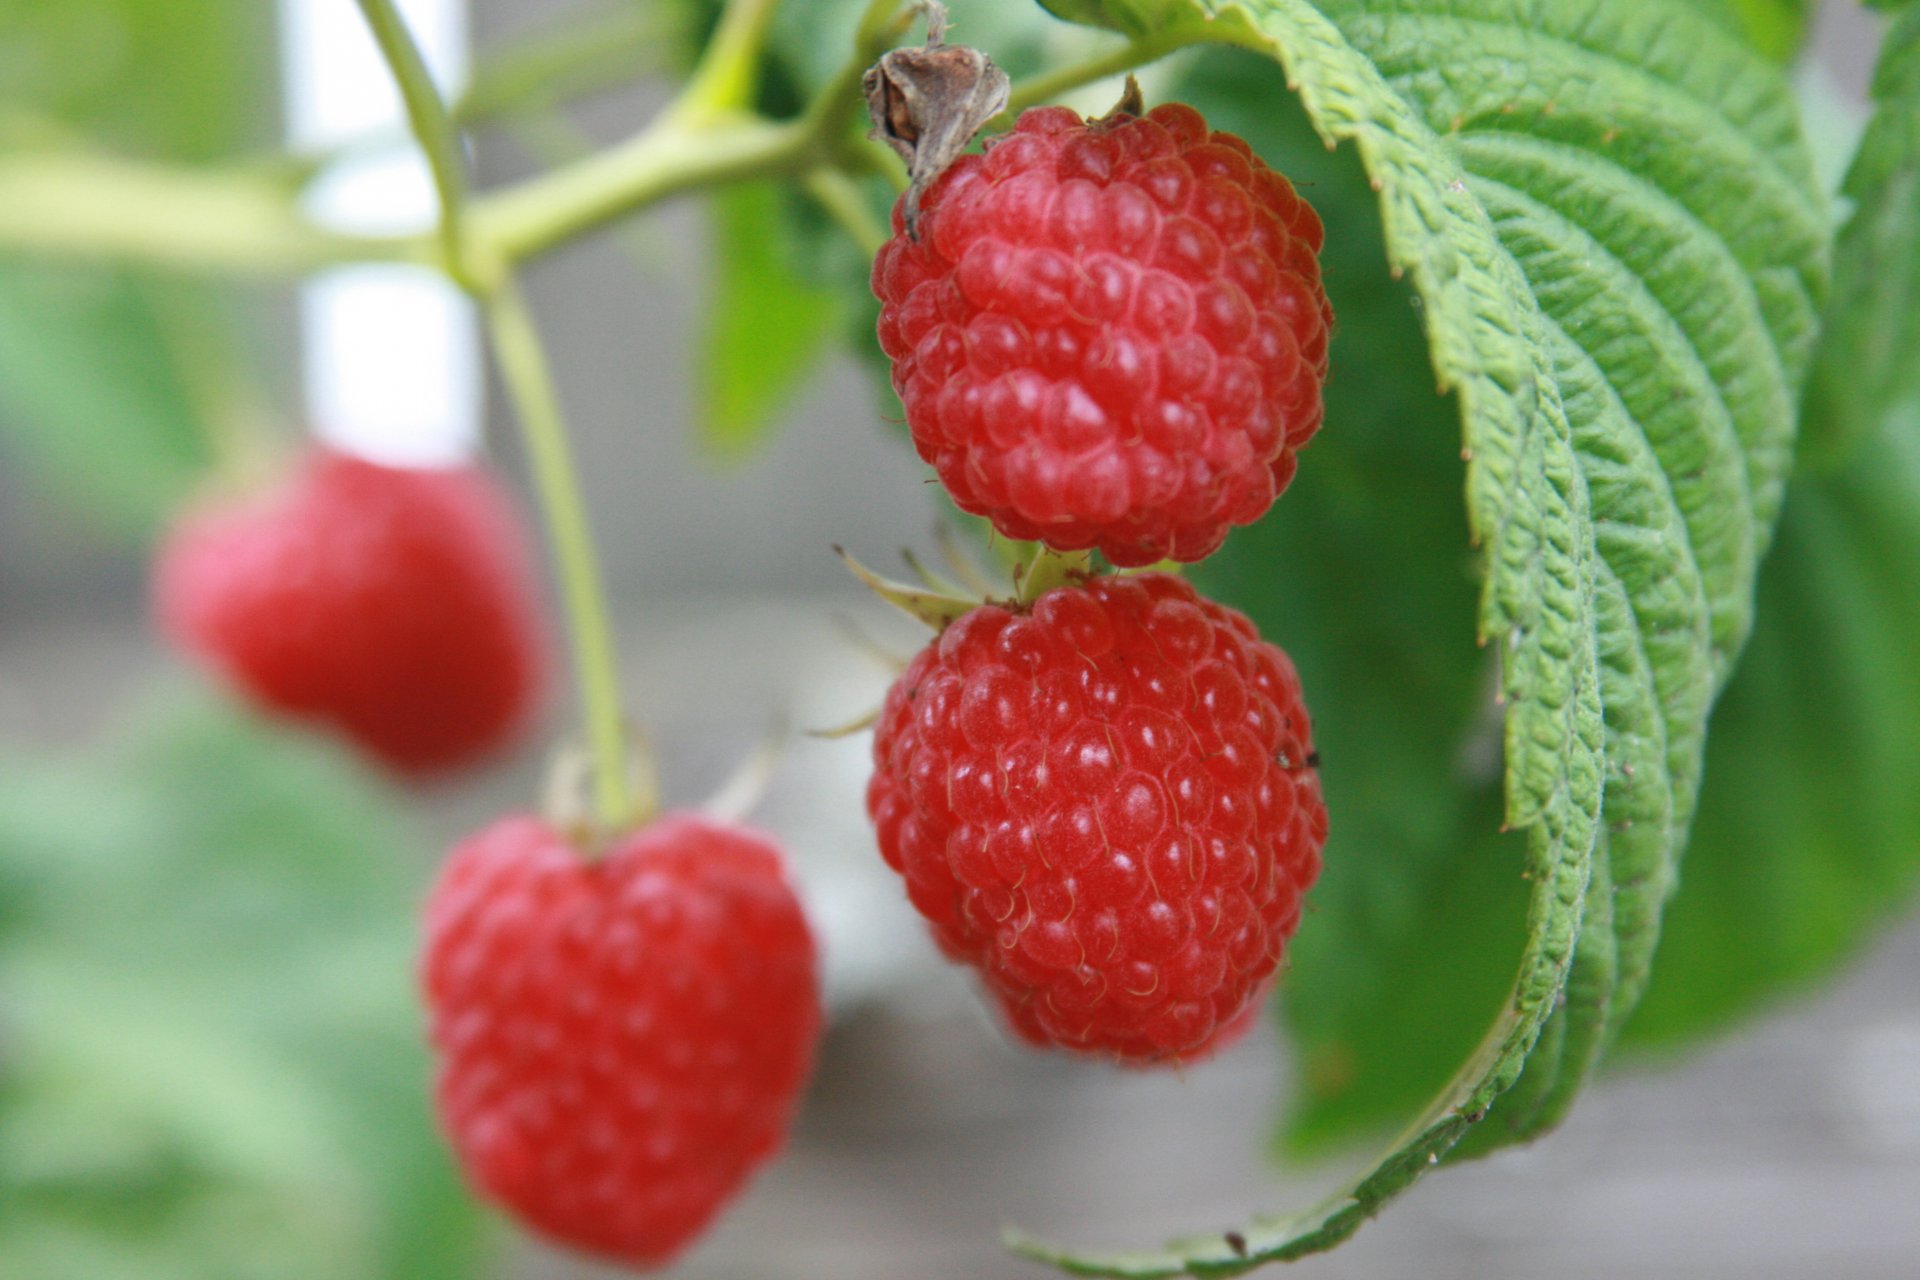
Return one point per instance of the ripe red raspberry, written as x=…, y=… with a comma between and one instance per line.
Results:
x=1109, y=334
x=1109, y=806
x=395, y=605
x=622, y=1041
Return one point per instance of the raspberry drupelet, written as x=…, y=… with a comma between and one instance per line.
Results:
x=1109, y=334
x=1109, y=806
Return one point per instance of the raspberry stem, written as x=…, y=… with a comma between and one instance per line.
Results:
x=689, y=147
x=432, y=127
x=729, y=70
x=1050, y=85
x=620, y=804
x=1049, y=569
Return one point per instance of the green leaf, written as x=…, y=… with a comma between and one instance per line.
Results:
x=213, y=1064
x=766, y=322
x=1868, y=367
x=1608, y=217
x=1777, y=28
x=1808, y=837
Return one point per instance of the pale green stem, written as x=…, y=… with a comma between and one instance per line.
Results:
x=86, y=206
x=432, y=126
x=529, y=379
x=523, y=367
x=685, y=150
x=843, y=201
x=667, y=159
x=728, y=71
x=1049, y=85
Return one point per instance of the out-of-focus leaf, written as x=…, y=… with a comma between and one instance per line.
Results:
x=766, y=323
x=180, y=79
x=211, y=1064
x=89, y=390
x=91, y=393
x=1808, y=837
x=1867, y=370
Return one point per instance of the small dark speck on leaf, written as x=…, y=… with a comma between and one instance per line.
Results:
x=1237, y=1243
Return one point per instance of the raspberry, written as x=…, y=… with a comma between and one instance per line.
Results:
x=1109, y=334
x=623, y=1041
x=394, y=605
x=1109, y=806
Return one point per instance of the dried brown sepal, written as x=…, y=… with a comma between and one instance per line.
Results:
x=1132, y=104
x=928, y=103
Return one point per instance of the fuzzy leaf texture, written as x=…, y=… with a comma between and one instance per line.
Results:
x=1809, y=818
x=211, y=1068
x=107, y=374
x=1868, y=368
x=1609, y=220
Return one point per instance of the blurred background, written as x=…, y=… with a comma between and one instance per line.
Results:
x=208, y=1043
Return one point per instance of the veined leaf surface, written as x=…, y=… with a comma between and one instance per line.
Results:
x=1609, y=218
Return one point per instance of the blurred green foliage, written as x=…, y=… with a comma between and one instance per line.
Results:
x=766, y=324
x=211, y=1064
x=1808, y=837
x=93, y=393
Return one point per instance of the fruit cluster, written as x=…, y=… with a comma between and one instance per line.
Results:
x=1107, y=334
x=1103, y=794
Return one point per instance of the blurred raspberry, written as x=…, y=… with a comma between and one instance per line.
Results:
x=395, y=605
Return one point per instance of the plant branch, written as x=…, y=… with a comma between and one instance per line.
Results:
x=432, y=126
x=688, y=148
x=1131, y=56
x=728, y=72
x=841, y=199
x=529, y=380
x=85, y=205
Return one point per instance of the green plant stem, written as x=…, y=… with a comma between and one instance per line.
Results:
x=1049, y=85
x=87, y=206
x=582, y=57
x=529, y=379
x=728, y=71
x=247, y=219
x=524, y=368
x=667, y=159
x=840, y=197
x=686, y=149
x=432, y=126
